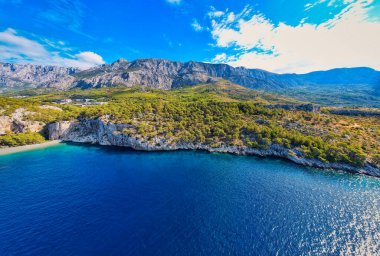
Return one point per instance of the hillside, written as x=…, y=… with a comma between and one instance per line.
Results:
x=16, y=76
x=220, y=117
x=354, y=86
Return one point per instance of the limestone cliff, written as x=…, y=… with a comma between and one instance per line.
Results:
x=103, y=133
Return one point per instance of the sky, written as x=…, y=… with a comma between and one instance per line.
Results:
x=283, y=36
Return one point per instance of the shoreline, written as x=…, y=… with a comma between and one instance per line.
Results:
x=96, y=131
x=12, y=150
x=275, y=152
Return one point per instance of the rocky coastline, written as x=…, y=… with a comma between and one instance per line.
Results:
x=102, y=132
x=97, y=131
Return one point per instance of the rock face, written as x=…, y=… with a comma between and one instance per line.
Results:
x=165, y=74
x=16, y=123
x=109, y=134
x=5, y=124
x=34, y=76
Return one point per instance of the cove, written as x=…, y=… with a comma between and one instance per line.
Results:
x=88, y=200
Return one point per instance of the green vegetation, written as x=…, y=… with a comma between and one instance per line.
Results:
x=20, y=139
x=335, y=95
x=216, y=115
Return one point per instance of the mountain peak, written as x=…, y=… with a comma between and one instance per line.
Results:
x=165, y=74
x=122, y=60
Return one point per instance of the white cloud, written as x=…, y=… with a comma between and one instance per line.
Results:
x=349, y=39
x=330, y=3
x=312, y=5
x=223, y=58
x=174, y=1
x=14, y=46
x=213, y=13
x=196, y=26
x=17, y=48
x=89, y=57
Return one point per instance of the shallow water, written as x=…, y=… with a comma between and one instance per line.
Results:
x=82, y=200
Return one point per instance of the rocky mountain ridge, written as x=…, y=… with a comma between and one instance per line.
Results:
x=34, y=76
x=165, y=74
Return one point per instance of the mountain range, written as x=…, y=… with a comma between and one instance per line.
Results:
x=166, y=74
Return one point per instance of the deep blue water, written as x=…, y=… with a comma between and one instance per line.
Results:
x=82, y=200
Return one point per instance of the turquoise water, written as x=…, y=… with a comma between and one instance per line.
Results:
x=83, y=200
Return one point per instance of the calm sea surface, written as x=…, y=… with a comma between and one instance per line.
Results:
x=83, y=200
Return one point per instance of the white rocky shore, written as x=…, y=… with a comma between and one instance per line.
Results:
x=110, y=134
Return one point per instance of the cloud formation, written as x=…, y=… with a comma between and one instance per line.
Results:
x=17, y=48
x=196, y=26
x=349, y=39
x=213, y=13
x=67, y=14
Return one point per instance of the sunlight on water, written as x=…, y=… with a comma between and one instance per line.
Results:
x=93, y=201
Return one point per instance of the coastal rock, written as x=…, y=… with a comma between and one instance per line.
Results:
x=96, y=131
x=57, y=130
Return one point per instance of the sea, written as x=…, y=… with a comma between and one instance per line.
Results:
x=73, y=199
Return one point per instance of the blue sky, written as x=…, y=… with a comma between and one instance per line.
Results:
x=276, y=35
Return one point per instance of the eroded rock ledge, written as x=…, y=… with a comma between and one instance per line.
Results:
x=110, y=134
x=16, y=123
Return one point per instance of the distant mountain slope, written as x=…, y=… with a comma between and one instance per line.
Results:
x=338, y=87
x=28, y=75
x=165, y=74
x=343, y=76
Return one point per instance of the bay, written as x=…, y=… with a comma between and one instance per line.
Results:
x=88, y=200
